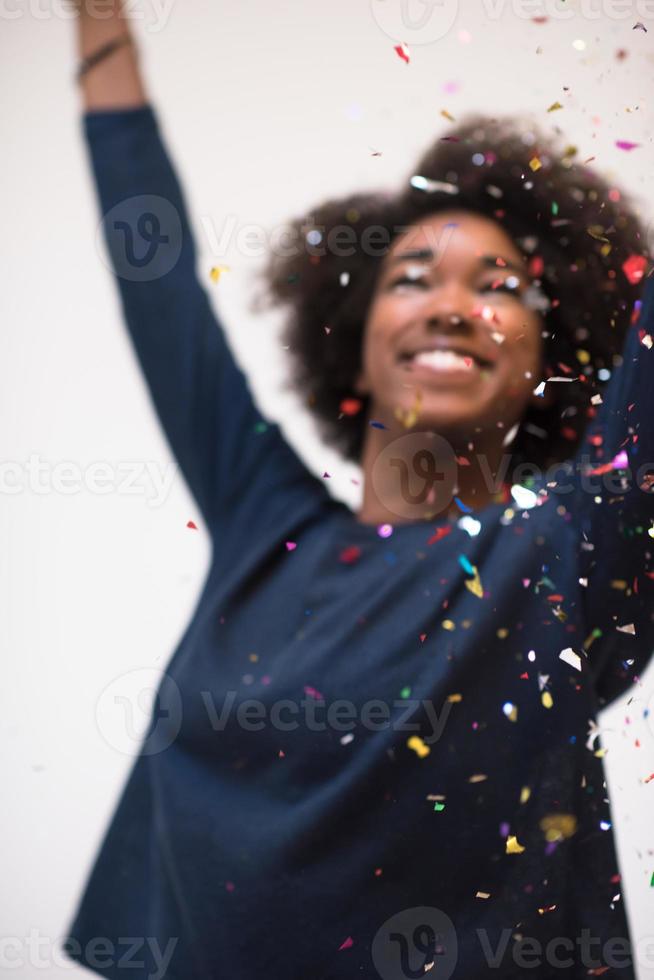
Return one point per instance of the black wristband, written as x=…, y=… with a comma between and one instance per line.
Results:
x=100, y=54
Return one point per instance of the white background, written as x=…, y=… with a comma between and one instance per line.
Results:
x=268, y=108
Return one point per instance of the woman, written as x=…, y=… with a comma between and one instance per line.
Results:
x=373, y=752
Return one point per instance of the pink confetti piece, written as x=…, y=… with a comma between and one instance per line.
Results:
x=313, y=693
x=626, y=145
x=291, y=545
x=347, y=943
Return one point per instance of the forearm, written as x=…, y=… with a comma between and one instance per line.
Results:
x=115, y=82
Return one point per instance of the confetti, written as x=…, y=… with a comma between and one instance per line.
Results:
x=474, y=585
x=192, y=525
x=639, y=26
x=555, y=106
x=482, y=894
x=535, y=164
x=402, y=51
x=546, y=699
x=510, y=710
x=346, y=943
x=377, y=425
x=350, y=406
x=512, y=845
x=418, y=746
x=626, y=145
x=446, y=115
x=433, y=186
x=439, y=533
x=216, y=270
x=313, y=693
x=634, y=268
x=558, y=826
x=470, y=525
x=462, y=506
x=291, y=545
x=568, y=656
x=629, y=628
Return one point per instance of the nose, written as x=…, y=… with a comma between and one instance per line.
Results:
x=449, y=305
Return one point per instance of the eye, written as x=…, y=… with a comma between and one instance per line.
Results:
x=409, y=281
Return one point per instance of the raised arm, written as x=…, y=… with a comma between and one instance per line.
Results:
x=614, y=511
x=224, y=447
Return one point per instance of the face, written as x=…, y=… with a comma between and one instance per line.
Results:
x=455, y=282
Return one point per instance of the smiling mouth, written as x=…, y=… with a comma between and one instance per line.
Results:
x=443, y=362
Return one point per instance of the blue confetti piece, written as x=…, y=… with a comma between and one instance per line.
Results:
x=462, y=506
x=378, y=425
x=465, y=565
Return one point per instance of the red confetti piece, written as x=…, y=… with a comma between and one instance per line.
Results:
x=350, y=406
x=402, y=51
x=423, y=636
x=347, y=943
x=439, y=533
x=536, y=266
x=350, y=554
x=634, y=268
x=192, y=525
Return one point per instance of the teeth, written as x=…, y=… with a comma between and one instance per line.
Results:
x=442, y=359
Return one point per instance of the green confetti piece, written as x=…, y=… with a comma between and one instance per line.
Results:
x=405, y=692
x=439, y=806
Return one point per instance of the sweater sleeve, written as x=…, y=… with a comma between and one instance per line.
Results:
x=201, y=397
x=614, y=512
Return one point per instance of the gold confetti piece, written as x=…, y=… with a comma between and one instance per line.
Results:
x=418, y=746
x=478, y=777
x=618, y=583
x=629, y=628
x=482, y=895
x=446, y=115
x=512, y=845
x=502, y=633
x=558, y=826
x=595, y=231
x=583, y=356
x=474, y=584
x=535, y=164
x=454, y=698
x=511, y=711
x=447, y=624
x=525, y=793
x=547, y=699
x=216, y=271
x=647, y=341
x=555, y=106
x=570, y=151
x=409, y=417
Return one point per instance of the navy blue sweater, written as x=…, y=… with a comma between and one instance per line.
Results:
x=358, y=765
